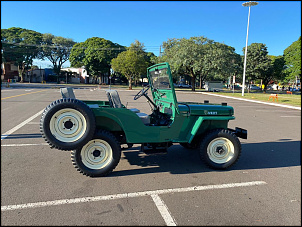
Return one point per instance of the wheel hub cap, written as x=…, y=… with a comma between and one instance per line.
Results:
x=220, y=150
x=96, y=154
x=68, y=125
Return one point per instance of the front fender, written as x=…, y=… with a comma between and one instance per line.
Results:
x=213, y=122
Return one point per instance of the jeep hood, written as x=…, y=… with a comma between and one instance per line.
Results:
x=205, y=109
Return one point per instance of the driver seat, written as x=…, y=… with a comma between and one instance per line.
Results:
x=115, y=102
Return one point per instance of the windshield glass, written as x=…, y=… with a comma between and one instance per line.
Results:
x=160, y=79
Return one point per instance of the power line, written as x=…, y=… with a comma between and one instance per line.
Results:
x=152, y=48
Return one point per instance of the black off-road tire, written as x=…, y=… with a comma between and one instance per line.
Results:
x=99, y=156
x=67, y=124
x=220, y=149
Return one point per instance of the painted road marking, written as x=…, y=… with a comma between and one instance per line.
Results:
x=290, y=116
x=21, y=95
x=6, y=134
x=163, y=210
x=128, y=195
x=248, y=100
x=284, y=111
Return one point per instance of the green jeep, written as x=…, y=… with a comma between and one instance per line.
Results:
x=95, y=130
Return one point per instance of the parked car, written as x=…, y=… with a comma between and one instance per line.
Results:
x=269, y=87
x=236, y=87
x=254, y=87
x=181, y=85
x=294, y=89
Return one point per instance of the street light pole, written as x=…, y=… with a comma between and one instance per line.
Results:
x=249, y=4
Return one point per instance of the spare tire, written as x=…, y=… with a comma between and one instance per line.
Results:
x=67, y=124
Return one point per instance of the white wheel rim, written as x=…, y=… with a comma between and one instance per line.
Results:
x=220, y=150
x=68, y=125
x=96, y=154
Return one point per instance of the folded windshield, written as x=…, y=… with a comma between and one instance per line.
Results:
x=160, y=79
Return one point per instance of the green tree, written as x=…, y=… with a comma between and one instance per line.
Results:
x=131, y=63
x=57, y=50
x=220, y=61
x=96, y=55
x=20, y=46
x=77, y=55
x=292, y=57
x=276, y=70
x=258, y=63
x=186, y=55
x=149, y=57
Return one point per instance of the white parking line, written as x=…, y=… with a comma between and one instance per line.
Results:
x=248, y=100
x=163, y=210
x=128, y=195
x=290, y=116
x=278, y=111
x=6, y=134
x=33, y=123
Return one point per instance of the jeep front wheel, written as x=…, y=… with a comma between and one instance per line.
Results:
x=220, y=149
x=99, y=156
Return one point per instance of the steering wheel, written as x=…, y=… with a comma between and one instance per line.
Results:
x=142, y=92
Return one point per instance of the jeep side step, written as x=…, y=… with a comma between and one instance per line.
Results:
x=155, y=148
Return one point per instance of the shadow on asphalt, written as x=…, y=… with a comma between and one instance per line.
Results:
x=179, y=160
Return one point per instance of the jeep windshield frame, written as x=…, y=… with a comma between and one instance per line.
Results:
x=162, y=87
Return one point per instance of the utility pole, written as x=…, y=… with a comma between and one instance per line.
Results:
x=249, y=4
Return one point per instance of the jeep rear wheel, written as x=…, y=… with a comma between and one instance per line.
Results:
x=220, y=149
x=99, y=156
x=67, y=124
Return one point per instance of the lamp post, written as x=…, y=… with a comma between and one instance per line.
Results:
x=249, y=4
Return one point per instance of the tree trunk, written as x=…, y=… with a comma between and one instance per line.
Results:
x=200, y=82
x=20, y=71
x=193, y=80
x=130, y=83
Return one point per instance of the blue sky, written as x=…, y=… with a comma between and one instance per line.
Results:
x=274, y=23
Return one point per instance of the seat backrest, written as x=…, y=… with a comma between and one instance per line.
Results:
x=114, y=99
x=67, y=92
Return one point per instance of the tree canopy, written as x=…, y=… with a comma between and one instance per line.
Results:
x=186, y=55
x=258, y=63
x=292, y=57
x=20, y=46
x=196, y=57
x=201, y=57
x=131, y=63
x=57, y=50
x=95, y=54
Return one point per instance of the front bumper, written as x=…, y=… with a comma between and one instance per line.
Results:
x=239, y=132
